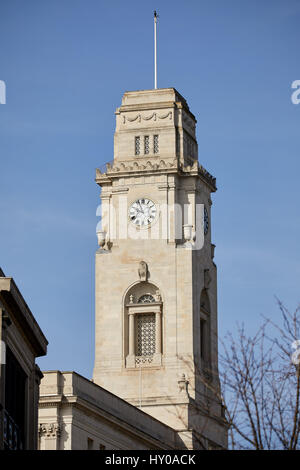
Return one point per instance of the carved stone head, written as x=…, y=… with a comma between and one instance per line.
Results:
x=143, y=271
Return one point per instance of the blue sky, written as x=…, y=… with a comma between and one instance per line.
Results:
x=66, y=65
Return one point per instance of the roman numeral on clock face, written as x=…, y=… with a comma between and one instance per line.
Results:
x=142, y=212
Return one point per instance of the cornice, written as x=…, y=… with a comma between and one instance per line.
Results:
x=145, y=106
x=160, y=166
x=94, y=409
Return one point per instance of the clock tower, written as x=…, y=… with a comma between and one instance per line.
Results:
x=156, y=281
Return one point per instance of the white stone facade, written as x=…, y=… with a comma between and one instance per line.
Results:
x=178, y=382
x=155, y=382
x=76, y=414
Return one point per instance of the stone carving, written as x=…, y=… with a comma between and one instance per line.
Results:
x=150, y=117
x=104, y=243
x=50, y=430
x=183, y=384
x=166, y=115
x=188, y=233
x=138, y=116
x=131, y=299
x=127, y=167
x=193, y=166
x=101, y=235
x=143, y=271
x=137, y=166
x=153, y=116
x=157, y=296
x=207, y=175
x=201, y=171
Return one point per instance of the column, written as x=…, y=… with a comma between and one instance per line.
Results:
x=130, y=359
x=172, y=213
x=157, y=333
x=105, y=213
x=157, y=355
x=49, y=436
x=131, y=334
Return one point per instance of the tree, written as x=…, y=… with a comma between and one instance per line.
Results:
x=260, y=383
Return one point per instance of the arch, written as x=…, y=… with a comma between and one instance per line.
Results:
x=146, y=299
x=142, y=320
x=140, y=288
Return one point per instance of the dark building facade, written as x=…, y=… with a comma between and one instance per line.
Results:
x=21, y=342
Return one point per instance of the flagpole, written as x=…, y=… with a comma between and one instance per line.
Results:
x=155, y=51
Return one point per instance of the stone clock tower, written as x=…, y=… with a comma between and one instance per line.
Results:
x=156, y=281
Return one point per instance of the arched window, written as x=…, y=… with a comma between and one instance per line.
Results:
x=143, y=325
x=145, y=336
x=146, y=299
x=205, y=338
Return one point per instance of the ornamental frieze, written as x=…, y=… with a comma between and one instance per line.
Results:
x=154, y=116
x=49, y=430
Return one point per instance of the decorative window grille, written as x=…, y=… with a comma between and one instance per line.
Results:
x=145, y=344
x=137, y=145
x=146, y=144
x=155, y=144
x=146, y=299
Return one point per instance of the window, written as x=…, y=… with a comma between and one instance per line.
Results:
x=102, y=447
x=146, y=144
x=143, y=326
x=205, y=330
x=15, y=404
x=137, y=145
x=90, y=444
x=146, y=299
x=145, y=341
x=155, y=144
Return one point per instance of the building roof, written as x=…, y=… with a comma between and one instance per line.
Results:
x=65, y=388
x=20, y=313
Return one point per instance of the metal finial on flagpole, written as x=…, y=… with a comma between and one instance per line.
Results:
x=155, y=52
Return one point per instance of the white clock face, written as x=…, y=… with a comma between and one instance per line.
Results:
x=142, y=212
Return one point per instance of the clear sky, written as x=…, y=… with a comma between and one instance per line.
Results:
x=66, y=65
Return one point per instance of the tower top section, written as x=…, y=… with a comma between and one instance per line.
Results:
x=155, y=123
x=155, y=133
x=161, y=98
x=153, y=96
